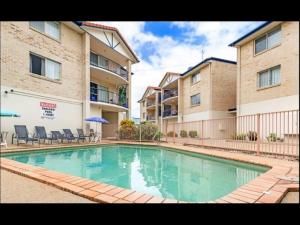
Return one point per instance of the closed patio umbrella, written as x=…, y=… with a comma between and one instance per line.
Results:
x=5, y=113
x=97, y=120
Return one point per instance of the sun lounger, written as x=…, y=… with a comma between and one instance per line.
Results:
x=23, y=135
x=41, y=134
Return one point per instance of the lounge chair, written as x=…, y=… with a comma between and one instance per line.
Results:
x=42, y=135
x=23, y=135
x=81, y=135
x=70, y=136
x=56, y=135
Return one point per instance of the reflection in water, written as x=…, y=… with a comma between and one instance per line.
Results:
x=149, y=170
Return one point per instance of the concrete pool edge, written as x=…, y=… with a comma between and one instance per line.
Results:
x=266, y=188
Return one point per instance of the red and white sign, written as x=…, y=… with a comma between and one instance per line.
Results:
x=48, y=110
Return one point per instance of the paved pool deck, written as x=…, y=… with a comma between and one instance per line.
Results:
x=19, y=189
x=269, y=187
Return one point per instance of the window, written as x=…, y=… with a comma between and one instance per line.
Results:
x=267, y=41
x=48, y=27
x=195, y=78
x=44, y=67
x=269, y=77
x=195, y=99
x=94, y=59
x=100, y=61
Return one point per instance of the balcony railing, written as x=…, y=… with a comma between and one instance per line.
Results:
x=170, y=112
x=170, y=94
x=150, y=103
x=101, y=95
x=150, y=117
x=104, y=63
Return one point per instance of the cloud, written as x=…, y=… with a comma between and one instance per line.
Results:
x=170, y=55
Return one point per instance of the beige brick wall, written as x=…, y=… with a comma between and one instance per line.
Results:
x=188, y=90
x=18, y=39
x=286, y=55
x=223, y=86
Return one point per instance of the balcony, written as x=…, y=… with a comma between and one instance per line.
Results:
x=149, y=104
x=109, y=65
x=170, y=94
x=150, y=117
x=169, y=112
x=101, y=95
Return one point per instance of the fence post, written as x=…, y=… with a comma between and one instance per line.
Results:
x=166, y=132
x=140, y=132
x=202, y=132
x=258, y=134
x=174, y=132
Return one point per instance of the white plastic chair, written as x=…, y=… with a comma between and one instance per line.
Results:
x=3, y=138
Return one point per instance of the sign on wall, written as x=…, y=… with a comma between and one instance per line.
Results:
x=48, y=110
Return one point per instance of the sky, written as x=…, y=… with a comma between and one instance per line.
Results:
x=174, y=47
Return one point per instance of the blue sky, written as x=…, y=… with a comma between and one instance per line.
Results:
x=174, y=46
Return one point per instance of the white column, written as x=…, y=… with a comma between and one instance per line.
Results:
x=128, y=114
x=86, y=81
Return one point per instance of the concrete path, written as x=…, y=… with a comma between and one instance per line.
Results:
x=17, y=189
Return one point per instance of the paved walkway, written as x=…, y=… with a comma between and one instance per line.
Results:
x=19, y=189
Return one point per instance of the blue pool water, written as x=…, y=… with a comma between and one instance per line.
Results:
x=152, y=170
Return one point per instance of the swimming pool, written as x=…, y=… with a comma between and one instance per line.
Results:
x=157, y=171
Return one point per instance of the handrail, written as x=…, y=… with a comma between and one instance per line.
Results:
x=150, y=117
x=170, y=93
x=110, y=65
x=101, y=95
x=170, y=112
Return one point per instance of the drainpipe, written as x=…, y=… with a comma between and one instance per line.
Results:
x=211, y=93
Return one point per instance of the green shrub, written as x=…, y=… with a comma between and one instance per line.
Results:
x=241, y=136
x=193, y=133
x=148, y=131
x=128, y=130
x=252, y=135
x=171, y=134
x=158, y=135
x=272, y=137
x=183, y=133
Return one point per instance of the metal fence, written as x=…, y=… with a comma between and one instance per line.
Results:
x=275, y=133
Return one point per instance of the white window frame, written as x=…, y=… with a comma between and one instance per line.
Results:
x=194, y=75
x=45, y=33
x=199, y=99
x=269, y=75
x=267, y=39
x=44, y=71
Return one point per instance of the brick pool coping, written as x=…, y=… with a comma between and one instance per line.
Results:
x=266, y=188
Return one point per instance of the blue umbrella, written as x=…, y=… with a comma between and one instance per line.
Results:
x=97, y=120
x=5, y=113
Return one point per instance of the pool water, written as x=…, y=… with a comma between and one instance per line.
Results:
x=152, y=170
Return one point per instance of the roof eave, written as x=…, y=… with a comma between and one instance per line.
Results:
x=238, y=41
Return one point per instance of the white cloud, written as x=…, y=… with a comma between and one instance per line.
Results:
x=170, y=55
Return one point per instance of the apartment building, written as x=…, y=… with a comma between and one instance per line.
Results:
x=268, y=68
x=150, y=108
x=205, y=91
x=56, y=74
x=169, y=101
x=208, y=91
